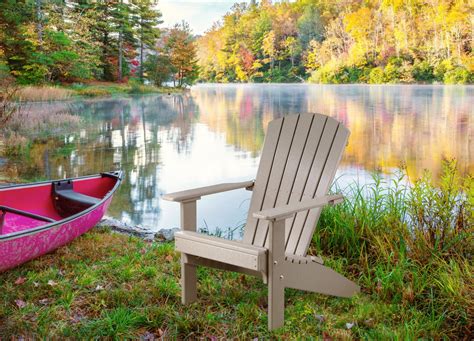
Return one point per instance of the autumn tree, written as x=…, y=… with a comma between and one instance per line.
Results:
x=180, y=47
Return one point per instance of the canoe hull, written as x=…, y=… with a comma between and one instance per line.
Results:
x=20, y=249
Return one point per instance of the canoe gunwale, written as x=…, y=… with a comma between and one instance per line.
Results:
x=19, y=234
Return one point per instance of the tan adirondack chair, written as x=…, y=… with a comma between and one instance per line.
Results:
x=297, y=166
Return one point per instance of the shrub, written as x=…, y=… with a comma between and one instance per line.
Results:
x=392, y=71
x=15, y=145
x=329, y=73
x=8, y=104
x=458, y=75
x=376, y=75
x=4, y=71
x=441, y=68
x=423, y=71
x=406, y=73
x=349, y=74
x=284, y=74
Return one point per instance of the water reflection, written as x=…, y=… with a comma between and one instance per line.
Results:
x=215, y=133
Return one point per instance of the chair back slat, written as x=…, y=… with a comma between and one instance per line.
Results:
x=303, y=152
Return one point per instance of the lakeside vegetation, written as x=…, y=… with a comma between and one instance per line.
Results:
x=410, y=250
x=326, y=41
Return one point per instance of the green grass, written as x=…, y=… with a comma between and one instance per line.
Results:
x=416, y=283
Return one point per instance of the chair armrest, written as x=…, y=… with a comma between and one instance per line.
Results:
x=197, y=193
x=286, y=211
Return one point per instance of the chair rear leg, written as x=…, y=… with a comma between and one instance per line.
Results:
x=188, y=281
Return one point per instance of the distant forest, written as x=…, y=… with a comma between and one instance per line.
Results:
x=342, y=41
x=321, y=41
x=46, y=41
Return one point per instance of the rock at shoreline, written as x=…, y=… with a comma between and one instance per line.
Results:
x=163, y=235
x=166, y=234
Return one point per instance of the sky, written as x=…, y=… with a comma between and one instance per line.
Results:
x=200, y=14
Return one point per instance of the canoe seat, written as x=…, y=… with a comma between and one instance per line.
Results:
x=68, y=202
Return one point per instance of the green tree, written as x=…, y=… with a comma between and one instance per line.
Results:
x=147, y=21
x=122, y=23
x=158, y=69
x=310, y=26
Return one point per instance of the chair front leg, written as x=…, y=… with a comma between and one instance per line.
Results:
x=188, y=271
x=276, y=287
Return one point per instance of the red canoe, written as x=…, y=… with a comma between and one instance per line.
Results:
x=40, y=217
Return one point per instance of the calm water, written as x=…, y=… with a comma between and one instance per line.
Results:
x=215, y=133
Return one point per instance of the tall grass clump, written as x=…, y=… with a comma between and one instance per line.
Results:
x=136, y=87
x=44, y=93
x=42, y=122
x=94, y=92
x=409, y=245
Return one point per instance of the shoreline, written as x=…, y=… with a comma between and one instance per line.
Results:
x=84, y=91
x=142, y=232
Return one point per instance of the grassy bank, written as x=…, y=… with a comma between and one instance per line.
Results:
x=87, y=90
x=411, y=252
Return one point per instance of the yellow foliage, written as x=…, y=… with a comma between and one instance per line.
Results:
x=358, y=24
x=241, y=74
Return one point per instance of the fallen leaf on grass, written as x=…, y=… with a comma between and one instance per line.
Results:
x=147, y=336
x=76, y=318
x=52, y=283
x=327, y=337
x=379, y=287
x=20, y=280
x=169, y=258
x=31, y=317
x=20, y=303
x=99, y=288
x=369, y=322
x=45, y=301
x=320, y=318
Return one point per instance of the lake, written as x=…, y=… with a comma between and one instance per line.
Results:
x=214, y=133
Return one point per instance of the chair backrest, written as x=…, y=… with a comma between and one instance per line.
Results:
x=298, y=162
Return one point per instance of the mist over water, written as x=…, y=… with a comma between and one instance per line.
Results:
x=215, y=133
